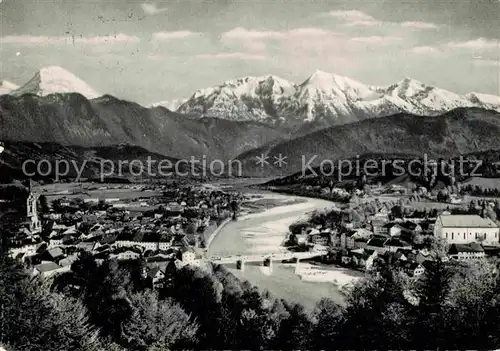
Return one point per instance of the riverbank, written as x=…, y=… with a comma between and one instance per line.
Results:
x=266, y=202
x=252, y=207
x=213, y=234
x=263, y=232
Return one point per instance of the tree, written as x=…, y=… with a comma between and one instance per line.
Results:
x=104, y=290
x=44, y=206
x=432, y=293
x=35, y=319
x=375, y=313
x=158, y=323
x=471, y=311
x=295, y=331
x=327, y=316
x=70, y=326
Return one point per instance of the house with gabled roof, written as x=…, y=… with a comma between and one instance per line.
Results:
x=156, y=276
x=394, y=244
x=377, y=243
x=466, y=252
x=47, y=269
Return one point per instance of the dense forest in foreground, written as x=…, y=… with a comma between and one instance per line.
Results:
x=109, y=306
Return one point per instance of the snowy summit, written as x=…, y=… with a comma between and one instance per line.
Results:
x=325, y=98
x=6, y=87
x=54, y=79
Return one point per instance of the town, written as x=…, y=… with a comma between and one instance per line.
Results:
x=177, y=230
x=176, y=225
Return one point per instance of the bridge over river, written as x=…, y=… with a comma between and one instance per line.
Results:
x=255, y=242
x=266, y=259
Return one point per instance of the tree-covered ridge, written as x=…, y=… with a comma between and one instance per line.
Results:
x=109, y=306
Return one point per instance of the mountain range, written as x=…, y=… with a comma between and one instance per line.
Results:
x=458, y=132
x=72, y=119
x=329, y=116
x=322, y=100
x=83, y=162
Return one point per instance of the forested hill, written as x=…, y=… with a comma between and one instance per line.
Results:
x=109, y=307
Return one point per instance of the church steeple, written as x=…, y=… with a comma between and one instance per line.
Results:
x=32, y=210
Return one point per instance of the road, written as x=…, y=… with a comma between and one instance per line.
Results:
x=263, y=233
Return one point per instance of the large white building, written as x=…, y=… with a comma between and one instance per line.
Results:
x=465, y=229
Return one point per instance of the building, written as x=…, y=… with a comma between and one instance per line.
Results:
x=126, y=255
x=466, y=252
x=319, y=238
x=48, y=269
x=414, y=269
x=156, y=277
x=347, y=239
x=32, y=212
x=395, y=244
x=379, y=227
x=363, y=258
x=377, y=244
x=464, y=229
x=395, y=230
x=188, y=255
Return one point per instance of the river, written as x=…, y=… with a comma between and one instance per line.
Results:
x=263, y=233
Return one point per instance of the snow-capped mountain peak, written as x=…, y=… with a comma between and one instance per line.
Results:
x=6, y=87
x=254, y=86
x=342, y=87
x=406, y=87
x=246, y=98
x=485, y=99
x=172, y=105
x=55, y=79
x=325, y=99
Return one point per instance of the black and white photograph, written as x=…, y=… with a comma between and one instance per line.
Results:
x=249, y=175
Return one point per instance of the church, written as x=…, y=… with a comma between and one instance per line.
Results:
x=32, y=211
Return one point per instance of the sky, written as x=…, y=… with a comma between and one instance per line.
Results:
x=165, y=50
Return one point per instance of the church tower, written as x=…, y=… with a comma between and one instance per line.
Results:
x=32, y=211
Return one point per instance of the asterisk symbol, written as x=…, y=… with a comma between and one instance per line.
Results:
x=262, y=160
x=280, y=160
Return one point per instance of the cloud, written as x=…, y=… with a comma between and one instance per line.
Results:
x=349, y=15
x=363, y=24
x=258, y=41
x=376, y=39
x=151, y=9
x=354, y=18
x=476, y=44
x=231, y=55
x=240, y=33
x=180, y=34
x=419, y=25
x=245, y=34
x=61, y=40
x=487, y=63
x=425, y=50
x=310, y=32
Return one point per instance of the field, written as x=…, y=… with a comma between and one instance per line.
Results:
x=115, y=193
x=93, y=191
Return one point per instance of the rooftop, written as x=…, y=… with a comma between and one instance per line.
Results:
x=377, y=241
x=47, y=267
x=472, y=247
x=466, y=221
